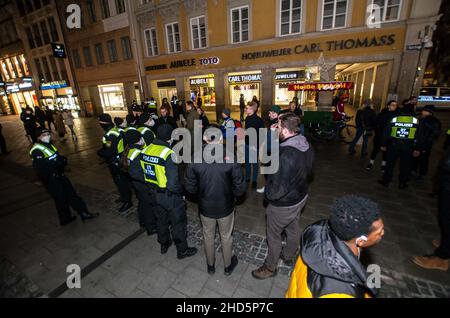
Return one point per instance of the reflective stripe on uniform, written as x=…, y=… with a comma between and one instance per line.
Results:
x=45, y=150
x=133, y=154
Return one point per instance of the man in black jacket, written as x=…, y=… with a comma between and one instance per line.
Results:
x=217, y=185
x=253, y=121
x=366, y=121
x=383, y=120
x=287, y=193
x=440, y=260
x=29, y=122
x=165, y=118
x=428, y=132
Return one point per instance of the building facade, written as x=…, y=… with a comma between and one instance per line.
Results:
x=50, y=81
x=217, y=50
x=104, y=56
x=16, y=83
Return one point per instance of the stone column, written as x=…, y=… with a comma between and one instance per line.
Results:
x=183, y=88
x=219, y=87
x=130, y=93
x=267, y=89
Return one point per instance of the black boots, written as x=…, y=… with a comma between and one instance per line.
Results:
x=190, y=251
x=165, y=247
x=229, y=270
x=125, y=207
x=211, y=269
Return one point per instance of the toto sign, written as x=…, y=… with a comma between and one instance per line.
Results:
x=210, y=61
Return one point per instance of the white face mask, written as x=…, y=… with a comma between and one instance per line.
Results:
x=46, y=139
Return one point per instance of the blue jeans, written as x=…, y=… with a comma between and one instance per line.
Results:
x=359, y=133
x=250, y=166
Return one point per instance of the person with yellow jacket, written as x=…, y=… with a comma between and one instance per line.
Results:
x=329, y=265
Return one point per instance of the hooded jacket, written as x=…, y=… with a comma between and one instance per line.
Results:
x=327, y=268
x=289, y=186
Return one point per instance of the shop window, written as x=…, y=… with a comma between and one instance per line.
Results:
x=334, y=14
x=126, y=48
x=240, y=24
x=112, y=97
x=198, y=32
x=203, y=90
x=5, y=70
x=290, y=17
x=151, y=42
x=389, y=9
x=173, y=37
x=99, y=54
x=112, y=51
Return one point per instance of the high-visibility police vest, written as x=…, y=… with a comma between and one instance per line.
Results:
x=117, y=132
x=144, y=130
x=404, y=127
x=152, y=105
x=153, y=163
x=133, y=154
x=49, y=153
x=448, y=132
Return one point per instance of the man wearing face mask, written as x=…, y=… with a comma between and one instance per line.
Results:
x=111, y=152
x=329, y=265
x=286, y=193
x=158, y=171
x=146, y=124
x=49, y=166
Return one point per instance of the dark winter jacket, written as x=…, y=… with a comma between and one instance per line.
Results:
x=46, y=168
x=383, y=120
x=253, y=121
x=366, y=119
x=217, y=186
x=109, y=153
x=289, y=186
x=428, y=131
x=327, y=268
x=444, y=171
x=166, y=120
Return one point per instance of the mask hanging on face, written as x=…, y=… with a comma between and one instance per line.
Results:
x=46, y=139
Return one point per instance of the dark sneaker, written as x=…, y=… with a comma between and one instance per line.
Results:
x=125, y=207
x=211, y=269
x=263, y=273
x=369, y=167
x=229, y=270
x=165, y=247
x=191, y=251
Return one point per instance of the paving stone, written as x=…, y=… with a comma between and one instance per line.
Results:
x=158, y=282
x=190, y=282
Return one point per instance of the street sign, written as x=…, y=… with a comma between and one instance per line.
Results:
x=59, y=50
x=414, y=47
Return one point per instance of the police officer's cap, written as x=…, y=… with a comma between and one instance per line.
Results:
x=429, y=108
x=145, y=117
x=118, y=121
x=132, y=137
x=40, y=131
x=164, y=132
x=105, y=118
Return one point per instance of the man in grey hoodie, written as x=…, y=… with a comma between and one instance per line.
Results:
x=286, y=192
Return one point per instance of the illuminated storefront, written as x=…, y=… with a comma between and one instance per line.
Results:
x=59, y=95
x=166, y=89
x=203, y=87
x=247, y=84
x=113, y=97
x=22, y=94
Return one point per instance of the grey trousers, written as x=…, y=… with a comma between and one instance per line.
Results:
x=226, y=226
x=281, y=219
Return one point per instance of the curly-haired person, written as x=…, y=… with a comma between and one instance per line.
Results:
x=329, y=265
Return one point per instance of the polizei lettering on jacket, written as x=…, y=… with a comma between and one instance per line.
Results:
x=404, y=125
x=151, y=159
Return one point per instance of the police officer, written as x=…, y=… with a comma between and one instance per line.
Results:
x=145, y=127
x=49, y=166
x=113, y=148
x=428, y=132
x=151, y=106
x=135, y=143
x=399, y=141
x=161, y=174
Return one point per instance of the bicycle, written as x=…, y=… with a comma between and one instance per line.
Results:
x=330, y=131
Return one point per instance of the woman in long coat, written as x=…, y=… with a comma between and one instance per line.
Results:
x=60, y=127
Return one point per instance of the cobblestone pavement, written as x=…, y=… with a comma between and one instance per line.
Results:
x=33, y=245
